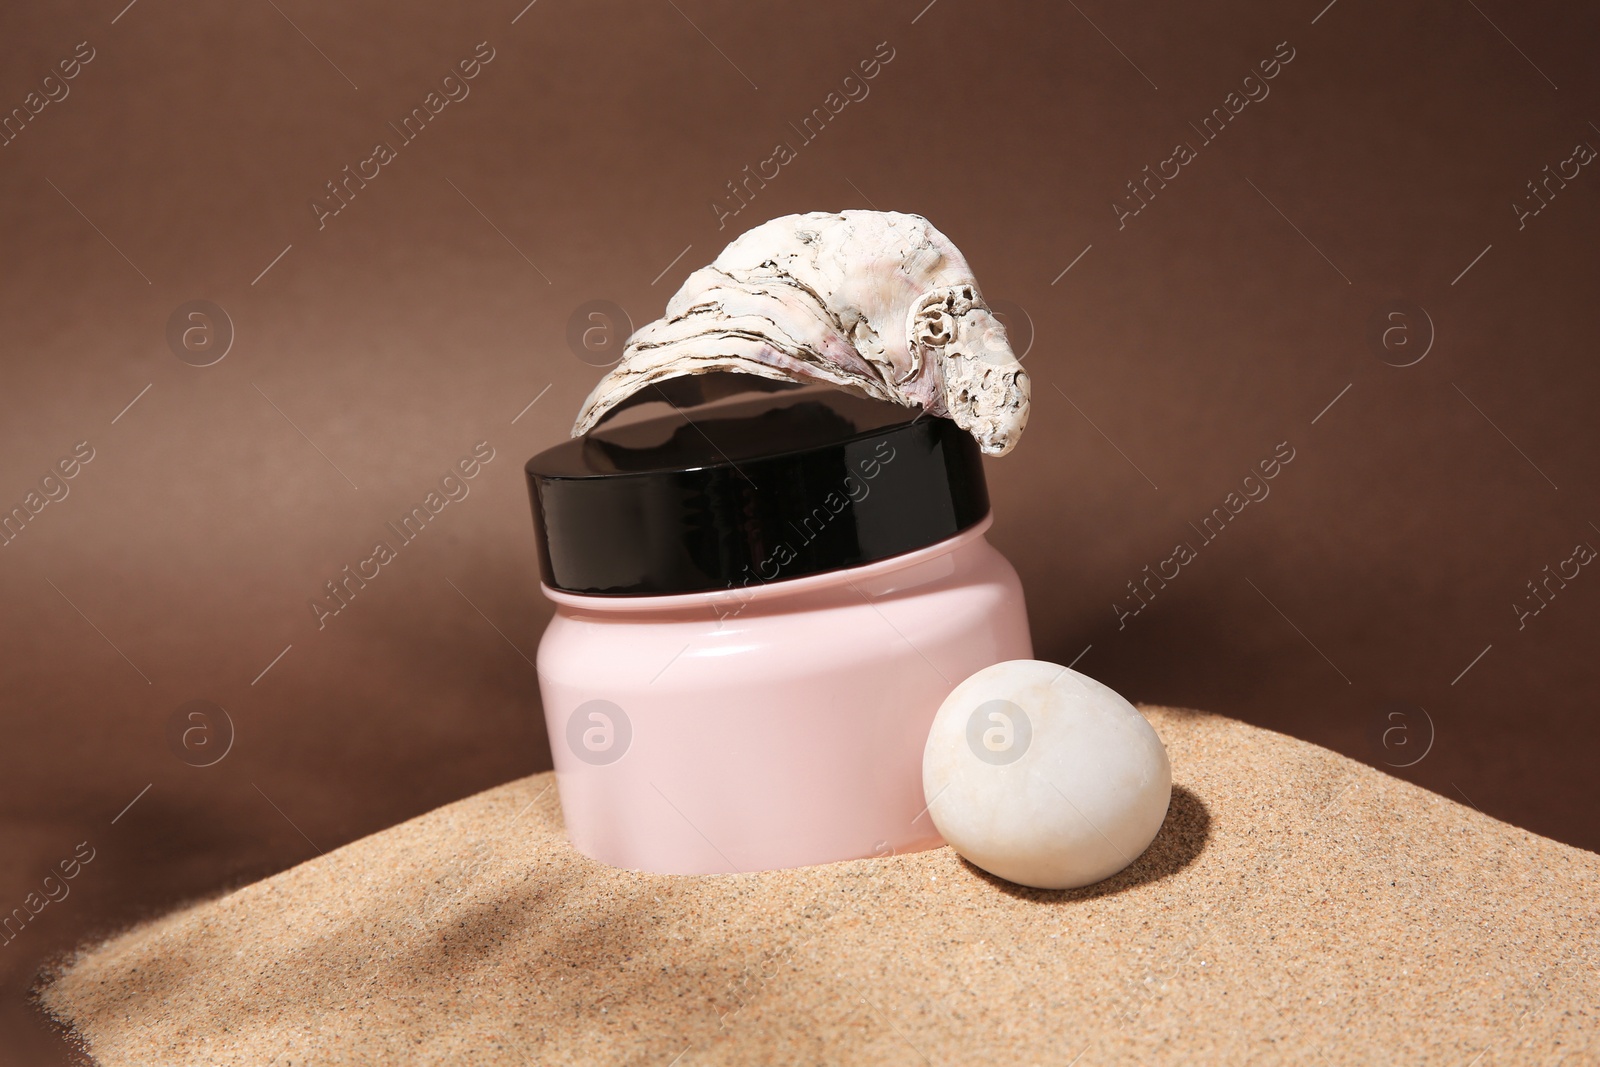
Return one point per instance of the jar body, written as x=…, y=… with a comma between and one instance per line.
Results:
x=780, y=725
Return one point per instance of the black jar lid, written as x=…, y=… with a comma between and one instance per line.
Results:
x=759, y=491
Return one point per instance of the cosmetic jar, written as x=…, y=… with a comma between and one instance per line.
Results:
x=757, y=614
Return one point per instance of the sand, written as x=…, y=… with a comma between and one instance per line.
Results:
x=1297, y=907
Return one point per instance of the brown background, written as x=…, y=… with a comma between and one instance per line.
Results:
x=1196, y=339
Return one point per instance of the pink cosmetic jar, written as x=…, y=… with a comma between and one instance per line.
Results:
x=757, y=615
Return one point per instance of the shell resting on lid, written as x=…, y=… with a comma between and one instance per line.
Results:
x=877, y=302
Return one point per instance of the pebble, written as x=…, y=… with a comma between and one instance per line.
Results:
x=1043, y=776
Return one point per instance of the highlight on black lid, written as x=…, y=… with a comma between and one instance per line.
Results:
x=755, y=492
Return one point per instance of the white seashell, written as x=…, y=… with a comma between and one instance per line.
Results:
x=874, y=301
x=1043, y=776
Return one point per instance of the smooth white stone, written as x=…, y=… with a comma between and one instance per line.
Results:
x=1043, y=776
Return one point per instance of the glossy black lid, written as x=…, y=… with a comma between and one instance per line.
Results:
x=759, y=491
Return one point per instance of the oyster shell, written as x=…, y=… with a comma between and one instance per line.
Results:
x=877, y=302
